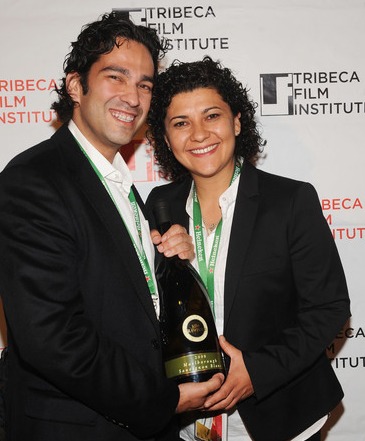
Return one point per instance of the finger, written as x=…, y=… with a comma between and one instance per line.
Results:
x=214, y=383
x=184, y=251
x=226, y=346
x=178, y=244
x=219, y=396
x=174, y=230
x=155, y=237
x=222, y=399
x=193, y=395
x=189, y=254
x=226, y=404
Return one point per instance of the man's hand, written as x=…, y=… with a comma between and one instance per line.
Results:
x=194, y=395
x=176, y=241
x=238, y=384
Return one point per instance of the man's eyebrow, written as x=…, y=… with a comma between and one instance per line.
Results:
x=125, y=72
x=119, y=69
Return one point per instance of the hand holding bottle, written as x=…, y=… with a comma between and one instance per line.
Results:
x=238, y=385
x=176, y=241
x=193, y=395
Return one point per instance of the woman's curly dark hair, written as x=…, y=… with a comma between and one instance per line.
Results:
x=185, y=77
x=96, y=39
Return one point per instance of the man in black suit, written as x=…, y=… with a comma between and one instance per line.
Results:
x=76, y=260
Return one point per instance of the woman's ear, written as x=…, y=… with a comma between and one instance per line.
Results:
x=237, y=124
x=167, y=142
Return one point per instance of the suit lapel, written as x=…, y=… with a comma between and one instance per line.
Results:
x=179, y=215
x=242, y=227
x=139, y=201
x=93, y=189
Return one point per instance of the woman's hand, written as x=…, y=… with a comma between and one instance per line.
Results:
x=193, y=395
x=237, y=386
x=176, y=241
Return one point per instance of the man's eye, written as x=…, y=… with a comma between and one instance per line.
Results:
x=146, y=87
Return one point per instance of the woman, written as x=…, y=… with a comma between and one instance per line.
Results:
x=277, y=283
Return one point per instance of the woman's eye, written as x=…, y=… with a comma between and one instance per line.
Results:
x=213, y=115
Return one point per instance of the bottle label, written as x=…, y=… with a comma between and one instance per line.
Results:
x=195, y=328
x=193, y=363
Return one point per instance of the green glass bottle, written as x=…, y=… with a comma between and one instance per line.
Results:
x=190, y=341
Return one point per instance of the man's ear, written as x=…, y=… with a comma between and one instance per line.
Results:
x=73, y=86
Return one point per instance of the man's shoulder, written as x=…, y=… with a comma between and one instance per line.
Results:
x=31, y=154
x=43, y=155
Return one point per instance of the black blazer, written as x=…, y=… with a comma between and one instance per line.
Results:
x=84, y=342
x=285, y=299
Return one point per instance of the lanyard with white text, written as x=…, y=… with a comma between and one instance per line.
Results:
x=140, y=253
x=207, y=271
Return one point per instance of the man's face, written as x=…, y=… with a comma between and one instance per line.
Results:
x=118, y=98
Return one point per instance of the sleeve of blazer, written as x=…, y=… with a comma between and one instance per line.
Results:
x=39, y=283
x=322, y=301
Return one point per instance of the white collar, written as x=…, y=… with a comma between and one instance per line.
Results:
x=118, y=171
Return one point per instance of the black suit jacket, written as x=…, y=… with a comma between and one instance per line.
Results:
x=285, y=299
x=84, y=345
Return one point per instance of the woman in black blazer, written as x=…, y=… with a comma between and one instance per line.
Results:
x=267, y=256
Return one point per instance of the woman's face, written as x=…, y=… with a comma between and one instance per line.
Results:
x=201, y=130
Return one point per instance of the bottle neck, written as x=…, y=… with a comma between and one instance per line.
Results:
x=163, y=227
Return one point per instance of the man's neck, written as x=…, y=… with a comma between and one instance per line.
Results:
x=108, y=152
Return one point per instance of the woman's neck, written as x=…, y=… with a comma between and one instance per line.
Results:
x=209, y=190
x=212, y=187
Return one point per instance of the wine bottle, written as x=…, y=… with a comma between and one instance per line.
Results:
x=190, y=343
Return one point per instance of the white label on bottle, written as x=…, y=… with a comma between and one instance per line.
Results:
x=195, y=328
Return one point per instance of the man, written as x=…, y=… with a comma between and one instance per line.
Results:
x=76, y=268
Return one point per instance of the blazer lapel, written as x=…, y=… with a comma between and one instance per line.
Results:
x=242, y=227
x=179, y=215
x=93, y=189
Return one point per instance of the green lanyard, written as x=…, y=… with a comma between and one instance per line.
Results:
x=207, y=271
x=140, y=253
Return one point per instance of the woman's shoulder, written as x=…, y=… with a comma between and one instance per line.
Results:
x=272, y=180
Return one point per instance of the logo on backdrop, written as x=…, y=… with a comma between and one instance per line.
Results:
x=357, y=337
x=310, y=93
x=16, y=101
x=178, y=25
x=343, y=228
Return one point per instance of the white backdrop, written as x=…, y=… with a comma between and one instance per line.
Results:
x=303, y=61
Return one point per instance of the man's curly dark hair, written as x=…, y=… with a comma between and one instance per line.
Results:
x=98, y=38
x=186, y=77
